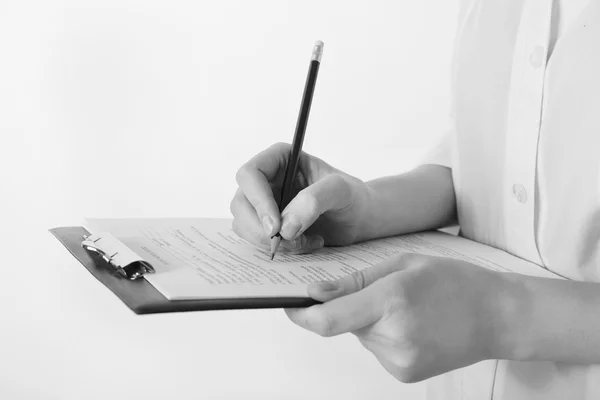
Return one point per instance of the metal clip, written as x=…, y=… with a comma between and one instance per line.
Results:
x=117, y=255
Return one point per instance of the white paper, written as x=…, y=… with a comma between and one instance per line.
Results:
x=204, y=258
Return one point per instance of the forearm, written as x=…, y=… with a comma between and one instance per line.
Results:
x=550, y=320
x=420, y=200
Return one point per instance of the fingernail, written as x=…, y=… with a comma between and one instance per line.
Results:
x=291, y=226
x=289, y=244
x=316, y=242
x=327, y=286
x=267, y=223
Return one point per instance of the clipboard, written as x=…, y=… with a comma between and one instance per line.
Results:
x=126, y=281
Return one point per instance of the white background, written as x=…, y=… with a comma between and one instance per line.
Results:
x=146, y=109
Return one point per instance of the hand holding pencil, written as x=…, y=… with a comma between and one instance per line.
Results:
x=300, y=198
x=291, y=168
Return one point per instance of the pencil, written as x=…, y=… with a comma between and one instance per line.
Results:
x=291, y=168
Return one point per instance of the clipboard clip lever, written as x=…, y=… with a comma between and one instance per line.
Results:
x=117, y=255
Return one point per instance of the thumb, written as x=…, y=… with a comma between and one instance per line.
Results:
x=352, y=283
x=330, y=193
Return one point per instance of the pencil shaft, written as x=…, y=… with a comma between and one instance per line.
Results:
x=291, y=170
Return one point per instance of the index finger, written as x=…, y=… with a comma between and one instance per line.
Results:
x=253, y=178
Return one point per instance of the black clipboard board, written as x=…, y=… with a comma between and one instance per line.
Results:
x=143, y=298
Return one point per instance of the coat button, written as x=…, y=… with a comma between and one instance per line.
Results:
x=520, y=193
x=536, y=59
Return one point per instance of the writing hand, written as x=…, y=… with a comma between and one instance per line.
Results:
x=329, y=206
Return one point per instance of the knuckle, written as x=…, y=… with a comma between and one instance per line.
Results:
x=358, y=279
x=341, y=183
x=310, y=204
x=301, y=242
x=304, y=243
x=241, y=173
x=259, y=205
x=309, y=244
x=343, y=191
x=322, y=325
x=337, y=179
x=280, y=146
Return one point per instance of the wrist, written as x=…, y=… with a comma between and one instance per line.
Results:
x=367, y=226
x=419, y=200
x=511, y=313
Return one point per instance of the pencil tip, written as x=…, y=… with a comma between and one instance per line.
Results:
x=272, y=256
